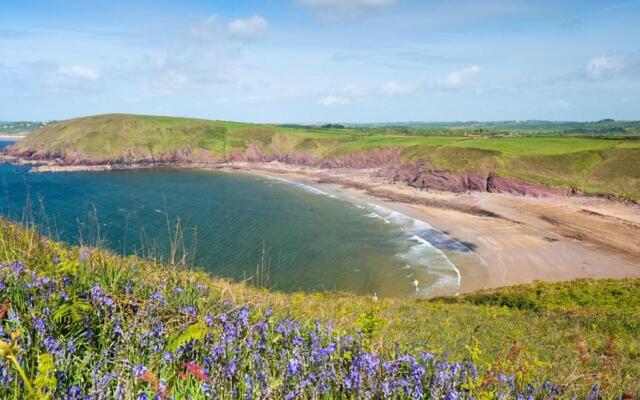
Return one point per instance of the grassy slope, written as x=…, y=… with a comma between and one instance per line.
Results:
x=575, y=334
x=605, y=166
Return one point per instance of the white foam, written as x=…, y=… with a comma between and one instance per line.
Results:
x=435, y=270
x=433, y=263
x=303, y=186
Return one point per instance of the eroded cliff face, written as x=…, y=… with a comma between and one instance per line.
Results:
x=385, y=162
x=388, y=163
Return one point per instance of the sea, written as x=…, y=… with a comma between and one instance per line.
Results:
x=274, y=233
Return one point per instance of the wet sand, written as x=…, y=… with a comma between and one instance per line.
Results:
x=521, y=239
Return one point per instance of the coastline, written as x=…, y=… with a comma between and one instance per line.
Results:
x=521, y=239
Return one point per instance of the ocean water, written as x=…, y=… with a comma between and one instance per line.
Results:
x=306, y=238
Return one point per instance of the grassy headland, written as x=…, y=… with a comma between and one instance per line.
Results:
x=596, y=162
x=87, y=322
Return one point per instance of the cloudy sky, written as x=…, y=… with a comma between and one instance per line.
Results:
x=321, y=60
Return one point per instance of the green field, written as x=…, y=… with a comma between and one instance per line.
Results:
x=598, y=165
x=20, y=127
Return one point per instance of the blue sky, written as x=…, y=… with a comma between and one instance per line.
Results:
x=321, y=60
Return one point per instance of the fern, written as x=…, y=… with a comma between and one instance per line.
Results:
x=195, y=331
x=75, y=311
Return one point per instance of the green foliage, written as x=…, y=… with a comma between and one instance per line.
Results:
x=45, y=381
x=369, y=322
x=73, y=311
x=196, y=331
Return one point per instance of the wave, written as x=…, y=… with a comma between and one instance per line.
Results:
x=432, y=272
x=303, y=186
x=429, y=269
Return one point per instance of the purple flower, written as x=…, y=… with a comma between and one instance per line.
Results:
x=97, y=292
x=189, y=311
x=167, y=357
x=18, y=267
x=243, y=316
x=84, y=254
x=39, y=326
x=74, y=393
x=294, y=366
x=158, y=297
x=139, y=370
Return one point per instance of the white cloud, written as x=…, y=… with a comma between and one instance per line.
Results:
x=80, y=73
x=561, y=105
x=166, y=84
x=604, y=66
x=346, y=7
x=462, y=78
x=393, y=88
x=207, y=29
x=248, y=28
x=357, y=93
x=212, y=28
x=334, y=100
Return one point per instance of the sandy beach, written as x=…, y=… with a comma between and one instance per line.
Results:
x=521, y=239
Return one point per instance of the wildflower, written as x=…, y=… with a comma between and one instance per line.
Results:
x=71, y=346
x=84, y=254
x=594, y=394
x=196, y=370
x=167, y=357
x=158, y=297
x=139, y=370
x=294, y=366
x=56, y=260
x=17, y=267
x=74, y=393
x=189, y=311
x=39, y=326
x=96, y=292
x=244, y=316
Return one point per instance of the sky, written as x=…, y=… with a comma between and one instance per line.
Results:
x=308, y=61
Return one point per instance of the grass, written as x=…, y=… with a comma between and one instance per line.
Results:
x=604, y=166
x=122, y=315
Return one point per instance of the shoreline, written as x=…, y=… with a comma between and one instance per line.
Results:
x=521, y=239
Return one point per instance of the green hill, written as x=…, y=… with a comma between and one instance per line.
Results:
x=609, y=166
x=86, y=321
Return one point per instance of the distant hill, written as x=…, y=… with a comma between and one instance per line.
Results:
x=605, y=127
x=20, y=127
x=595, y=165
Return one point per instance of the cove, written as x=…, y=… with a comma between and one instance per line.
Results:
x=304, y=239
